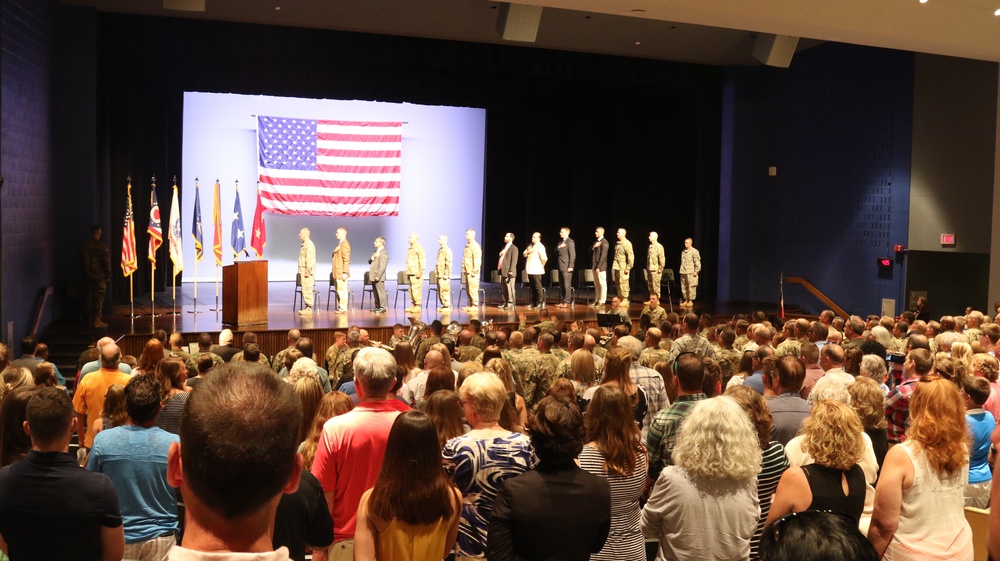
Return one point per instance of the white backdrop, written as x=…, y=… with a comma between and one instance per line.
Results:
x=441, y=188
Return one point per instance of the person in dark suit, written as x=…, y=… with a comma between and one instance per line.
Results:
x=566, y=258
x=557, y=510
x=376, y=273
x=599, y=264
x=507, y=265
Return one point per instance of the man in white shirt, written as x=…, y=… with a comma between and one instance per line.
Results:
x=534, y=264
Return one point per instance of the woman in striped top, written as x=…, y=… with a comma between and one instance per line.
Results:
x=773, y=463
x=615, y=452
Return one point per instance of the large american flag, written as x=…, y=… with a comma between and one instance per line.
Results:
x=329, y=168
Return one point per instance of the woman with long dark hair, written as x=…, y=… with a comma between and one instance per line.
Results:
x=172, y=375
x=617, y=363
x=412, y=511
x=615, y=452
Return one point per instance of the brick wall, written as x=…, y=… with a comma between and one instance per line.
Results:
x=26, y=201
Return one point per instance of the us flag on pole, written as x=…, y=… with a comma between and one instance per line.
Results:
x=329, y=168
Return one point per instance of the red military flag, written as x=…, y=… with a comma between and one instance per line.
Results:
x=258, y=239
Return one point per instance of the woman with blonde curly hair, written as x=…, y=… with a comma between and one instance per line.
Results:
x=773, y=462
x=919, y=501
x=707, y=501
x=869, y=401
x=833, y=437
x=986, y=366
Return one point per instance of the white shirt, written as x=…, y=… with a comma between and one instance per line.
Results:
x=535, y=259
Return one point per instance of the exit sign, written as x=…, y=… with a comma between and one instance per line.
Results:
x=947, y=239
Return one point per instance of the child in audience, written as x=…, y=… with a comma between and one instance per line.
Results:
x=981, y=425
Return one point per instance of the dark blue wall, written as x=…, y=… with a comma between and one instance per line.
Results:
x=837, y=125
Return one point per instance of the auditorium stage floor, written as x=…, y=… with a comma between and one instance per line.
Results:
x=282, y=316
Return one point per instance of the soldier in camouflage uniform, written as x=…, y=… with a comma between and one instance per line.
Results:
x=472, y=261
x=466, y=351
x=334, y=350
x=435, y=329
x=652, y=353
x=442, y=269
x=623, y=262
x=545, y=371
x=522, y=362
x=657, y=314
x=728, y=357
x=97, y=268
x=690, y=267
x=279, y=359
x=691, y=341
x=342, y=371
x=416, y=264
x=655, y=261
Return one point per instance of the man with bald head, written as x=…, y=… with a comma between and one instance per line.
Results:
x=94, y=366
x=831, y=360
x=279, y=359
x=88, y=401
x=413, y=391
x=466, y=350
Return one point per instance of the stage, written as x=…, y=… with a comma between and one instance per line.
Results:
x=193, y=318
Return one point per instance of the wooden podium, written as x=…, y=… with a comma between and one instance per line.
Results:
x=244, y=293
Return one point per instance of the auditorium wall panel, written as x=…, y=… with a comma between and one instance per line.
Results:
x=837, y=127
x=27, y=202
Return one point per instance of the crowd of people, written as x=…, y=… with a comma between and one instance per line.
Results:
x=685, y=439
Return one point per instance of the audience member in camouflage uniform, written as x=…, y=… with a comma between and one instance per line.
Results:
x=343, y=369
x=691, y=341
x=656, y=312
x=279, y=359
x=545, y=371
x=466, y=350
x=334, y=350
x=434, y=330
x=652, y=353
x=249, y=337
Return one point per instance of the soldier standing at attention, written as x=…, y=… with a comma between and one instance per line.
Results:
x=416, y=262
x=443, y=269
x=307, y=270
x=690, y=267
x=472, y=260
x=655, y=261
x=97, y=267
x=341, y=269
x=624, y=260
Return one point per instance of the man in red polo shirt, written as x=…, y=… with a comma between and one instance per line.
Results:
x=349, y=455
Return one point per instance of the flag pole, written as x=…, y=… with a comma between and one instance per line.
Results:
x=216, y=309
x=152, y=274
x=131, y=297
x=195, y=310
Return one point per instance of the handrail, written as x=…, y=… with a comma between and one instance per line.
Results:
x=819, y=294
x=41, y=309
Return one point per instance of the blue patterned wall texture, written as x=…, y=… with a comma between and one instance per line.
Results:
x=836, y=125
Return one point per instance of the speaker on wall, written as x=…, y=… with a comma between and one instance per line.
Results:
x=519, y=22
x=775, y=50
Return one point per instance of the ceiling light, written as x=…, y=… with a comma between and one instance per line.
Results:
x=923, y=1
x=997, y=13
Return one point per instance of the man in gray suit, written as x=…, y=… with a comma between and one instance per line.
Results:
x=507, y=265
x=376, y=273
